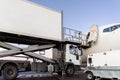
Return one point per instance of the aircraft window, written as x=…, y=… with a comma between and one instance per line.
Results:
x=110, y=29
x=113, y=28
x=118, y=26
x=106, y=30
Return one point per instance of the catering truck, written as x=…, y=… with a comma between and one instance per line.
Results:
x=41, y=28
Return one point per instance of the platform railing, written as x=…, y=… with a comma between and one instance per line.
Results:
x=74, y=36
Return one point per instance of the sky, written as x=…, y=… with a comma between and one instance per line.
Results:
x=82, y=14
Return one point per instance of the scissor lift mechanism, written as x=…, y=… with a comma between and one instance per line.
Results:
x=39, y=44
x=14, y=50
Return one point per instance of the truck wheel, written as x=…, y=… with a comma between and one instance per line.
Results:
x=90, y=75
x=70, y=70
x=10, y=72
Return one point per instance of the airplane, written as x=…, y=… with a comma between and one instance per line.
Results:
x=101, y=39
x=102, y=53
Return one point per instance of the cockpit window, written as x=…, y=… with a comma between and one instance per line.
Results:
x=106, y=30
x=110, y=29
x=113, y=28
x=118, y=26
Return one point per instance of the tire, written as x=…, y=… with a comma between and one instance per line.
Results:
x=10, y=72
x=89, y=75
x=70, y=71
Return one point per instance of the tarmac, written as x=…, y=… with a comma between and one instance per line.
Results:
x=47, y=76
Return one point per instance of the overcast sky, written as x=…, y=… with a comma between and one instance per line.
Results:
x=81, y=14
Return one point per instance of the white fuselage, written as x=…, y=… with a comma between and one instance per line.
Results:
x=107, y=41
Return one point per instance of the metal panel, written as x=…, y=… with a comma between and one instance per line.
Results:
x=26, y=18
x=108, y=58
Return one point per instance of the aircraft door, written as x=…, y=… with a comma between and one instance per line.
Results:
x=92, y=36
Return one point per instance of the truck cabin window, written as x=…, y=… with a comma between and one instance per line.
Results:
x=73, y=50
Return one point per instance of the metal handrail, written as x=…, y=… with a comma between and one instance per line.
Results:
x=74, y=36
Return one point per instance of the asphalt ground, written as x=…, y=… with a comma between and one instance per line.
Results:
x=47, y=76
x=77, y=76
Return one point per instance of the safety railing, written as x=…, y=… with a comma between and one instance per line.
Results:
x=74, y=36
